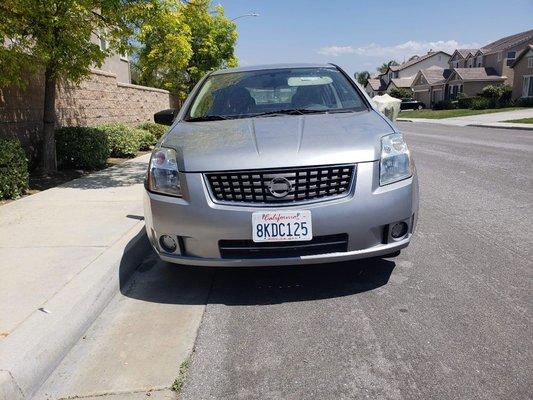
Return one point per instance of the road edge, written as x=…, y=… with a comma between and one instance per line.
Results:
x=35, y=349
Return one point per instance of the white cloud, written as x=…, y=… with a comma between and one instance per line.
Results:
x=400, y=51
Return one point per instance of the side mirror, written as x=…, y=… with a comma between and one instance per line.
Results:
x=166, y=117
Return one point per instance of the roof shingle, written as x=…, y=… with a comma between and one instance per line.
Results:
x=478, y=74
x=508, y=42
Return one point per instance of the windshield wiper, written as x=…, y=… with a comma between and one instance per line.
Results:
x=291, y=111
x=207, y=118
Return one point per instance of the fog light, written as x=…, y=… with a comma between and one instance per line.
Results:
x=398, y=230
x=168, y=243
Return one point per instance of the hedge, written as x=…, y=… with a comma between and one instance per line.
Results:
x=14, y=177
x=124, y=141
x=147, y=139
x=157, y=130
x=82, y=147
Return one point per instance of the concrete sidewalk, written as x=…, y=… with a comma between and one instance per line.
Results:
x=493, y=120
x=64, y=253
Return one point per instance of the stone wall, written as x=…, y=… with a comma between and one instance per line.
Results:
x=99, y=99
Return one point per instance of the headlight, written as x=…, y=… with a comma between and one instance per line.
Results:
x=395, y=162
x=163, y=173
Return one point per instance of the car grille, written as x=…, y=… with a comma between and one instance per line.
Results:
x=244, y=249
x=306, y=184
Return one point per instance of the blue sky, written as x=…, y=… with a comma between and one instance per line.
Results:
x=360, y=35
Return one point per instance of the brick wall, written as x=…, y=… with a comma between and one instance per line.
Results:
x=97, y=100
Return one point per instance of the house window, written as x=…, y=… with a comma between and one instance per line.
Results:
x=511, y=55
x=527, y=86
x=103, y=44
x=530, y=62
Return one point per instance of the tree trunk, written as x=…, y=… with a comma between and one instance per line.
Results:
x=49, y=163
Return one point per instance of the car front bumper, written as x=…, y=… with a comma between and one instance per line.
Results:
x=199, y=224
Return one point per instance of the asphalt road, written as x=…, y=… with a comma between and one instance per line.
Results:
x=451, y=318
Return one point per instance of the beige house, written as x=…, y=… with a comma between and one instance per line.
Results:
x=429, y=85
x=470, y=81
x=402, y=76
x=375, y=87
x=523, y=74
x=470, y=70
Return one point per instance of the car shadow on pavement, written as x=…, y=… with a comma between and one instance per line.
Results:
x=161, y=282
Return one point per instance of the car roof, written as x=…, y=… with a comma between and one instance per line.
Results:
x=269, y=67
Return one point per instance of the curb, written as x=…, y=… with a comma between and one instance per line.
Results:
x=35, y=349
x=523, y=128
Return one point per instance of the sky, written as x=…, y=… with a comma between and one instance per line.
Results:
x=361, y=35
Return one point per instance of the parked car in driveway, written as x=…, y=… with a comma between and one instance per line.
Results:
x=411, y=104
x=278, y=165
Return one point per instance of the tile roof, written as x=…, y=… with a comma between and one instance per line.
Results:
x=522, y=54
x=466, y=52
x=403, y=82
x=478, y=74
x=436, y=75
x=507, y=42
x=377, y=84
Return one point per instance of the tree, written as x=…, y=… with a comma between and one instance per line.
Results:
x=386, y=66
x=362, y=77
x=401, y=93
x=213, y=40
x=180, y=42
x=54, y=37
x=163, y=48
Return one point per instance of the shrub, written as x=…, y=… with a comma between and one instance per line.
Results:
x=443, y=105
x=401, y=93
x=124, y=141
x=464, y=102
x=500, y=96
x=147, y=139
x=482, y=103
x=82, y=147
x=157, y=130
x=14, y=177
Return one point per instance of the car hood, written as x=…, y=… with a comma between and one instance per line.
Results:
x=280, y=141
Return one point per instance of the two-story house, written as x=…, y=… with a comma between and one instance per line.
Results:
x=470, y=70
x=402, y=76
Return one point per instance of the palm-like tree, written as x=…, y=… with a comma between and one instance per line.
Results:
x=386, y=66
x=362, y=77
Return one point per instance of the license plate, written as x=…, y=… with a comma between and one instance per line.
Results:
x=281, y=226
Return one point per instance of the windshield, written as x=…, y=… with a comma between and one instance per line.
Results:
x=269, y=92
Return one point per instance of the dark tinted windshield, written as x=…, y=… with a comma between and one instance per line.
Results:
x=300, y=90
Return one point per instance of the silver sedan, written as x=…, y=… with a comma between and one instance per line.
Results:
x=279, y=165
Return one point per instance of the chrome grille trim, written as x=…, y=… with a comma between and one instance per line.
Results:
x=309, y=184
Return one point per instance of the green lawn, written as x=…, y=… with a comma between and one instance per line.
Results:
x=521, y=121
x=459, y=112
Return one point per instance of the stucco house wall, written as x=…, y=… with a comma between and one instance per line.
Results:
x=524, y=67
x=438, y=60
